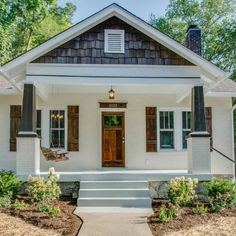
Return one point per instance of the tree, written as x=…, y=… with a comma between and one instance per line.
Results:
x=217, y=20
x=25, y=24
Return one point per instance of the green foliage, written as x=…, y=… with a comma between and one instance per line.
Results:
x=5, y=200
x=200, y=209
x=9, y=183
x=167, y=214
x=25, y=24
x=51, y=210
x=20, y=204
x=44, y=191
x=216, y=19
x=181, y=191
x=221, y=193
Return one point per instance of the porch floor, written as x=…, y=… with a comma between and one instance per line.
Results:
x=126, y=174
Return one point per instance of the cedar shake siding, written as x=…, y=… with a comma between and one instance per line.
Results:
x=88, y=48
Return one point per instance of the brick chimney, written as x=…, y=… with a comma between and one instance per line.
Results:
x=193, y=39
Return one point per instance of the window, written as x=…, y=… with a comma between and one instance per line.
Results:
x=186, y=127
x=166, y=129
x=114, y=41
x=57, y=129
x=39, y=122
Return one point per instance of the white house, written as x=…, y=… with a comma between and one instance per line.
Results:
x=58, y=93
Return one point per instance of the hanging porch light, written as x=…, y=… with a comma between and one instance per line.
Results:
x=111, y=93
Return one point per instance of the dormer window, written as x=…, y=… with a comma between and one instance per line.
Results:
x=114, y=41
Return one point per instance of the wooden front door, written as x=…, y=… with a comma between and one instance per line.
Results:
x=113, y=139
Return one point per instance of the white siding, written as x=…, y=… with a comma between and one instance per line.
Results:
x=89, y=156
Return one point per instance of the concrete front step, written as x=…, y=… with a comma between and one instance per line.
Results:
x=114, y=194
x=112, y=184
x=118, y=192
x=142, y=202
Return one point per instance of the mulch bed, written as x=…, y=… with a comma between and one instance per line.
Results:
x=66, y=224
x=185, y=220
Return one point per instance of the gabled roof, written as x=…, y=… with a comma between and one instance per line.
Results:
x=116, y=10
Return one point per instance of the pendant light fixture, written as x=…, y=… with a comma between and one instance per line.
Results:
x=111, y=93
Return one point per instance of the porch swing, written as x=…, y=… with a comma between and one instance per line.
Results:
x=54, y=155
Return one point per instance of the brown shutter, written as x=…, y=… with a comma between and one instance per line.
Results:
x=73, y=128
x=151, y=129
x=15, y=117
x=208, y=114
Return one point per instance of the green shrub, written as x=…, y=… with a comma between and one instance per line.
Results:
x=5, y=200
x=181, y=191
x=20, y=204
x=200, y=209
x=167, y=214
x=51, y=210
x=221, y=193
x=44, y=191
x=9, y=183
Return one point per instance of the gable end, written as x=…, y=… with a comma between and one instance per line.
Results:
x=88, y=48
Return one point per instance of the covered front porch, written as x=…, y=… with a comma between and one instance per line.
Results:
x=138, y=87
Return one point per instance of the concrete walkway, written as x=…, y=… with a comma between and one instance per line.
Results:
x=110, y=221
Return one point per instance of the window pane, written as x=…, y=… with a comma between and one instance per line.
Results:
x=62, y=139
x=54, y=117
x=189, y=120
x=185, y=133
x=186, y=120
x=62, y=119
x=161, y=120
x=166, y=126
x=167, y=139
x=38, y=131
x=112, y=121
x=38, y=119
x=171, y=120
x=54, y=142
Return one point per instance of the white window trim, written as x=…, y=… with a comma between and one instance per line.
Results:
x=184, y=129
x=122, y=33
x=45, y=125
x=164, y=129
x=178, y=134
x=58, y=129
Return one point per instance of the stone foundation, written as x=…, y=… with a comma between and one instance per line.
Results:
x=158, y=189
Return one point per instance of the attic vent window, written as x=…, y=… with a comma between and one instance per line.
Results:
x=114, y=41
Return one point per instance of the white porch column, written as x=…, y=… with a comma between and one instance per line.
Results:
x=28, y=156
x=198, y=141
x=28, y=142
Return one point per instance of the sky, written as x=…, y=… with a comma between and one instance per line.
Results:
x=141, y=8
